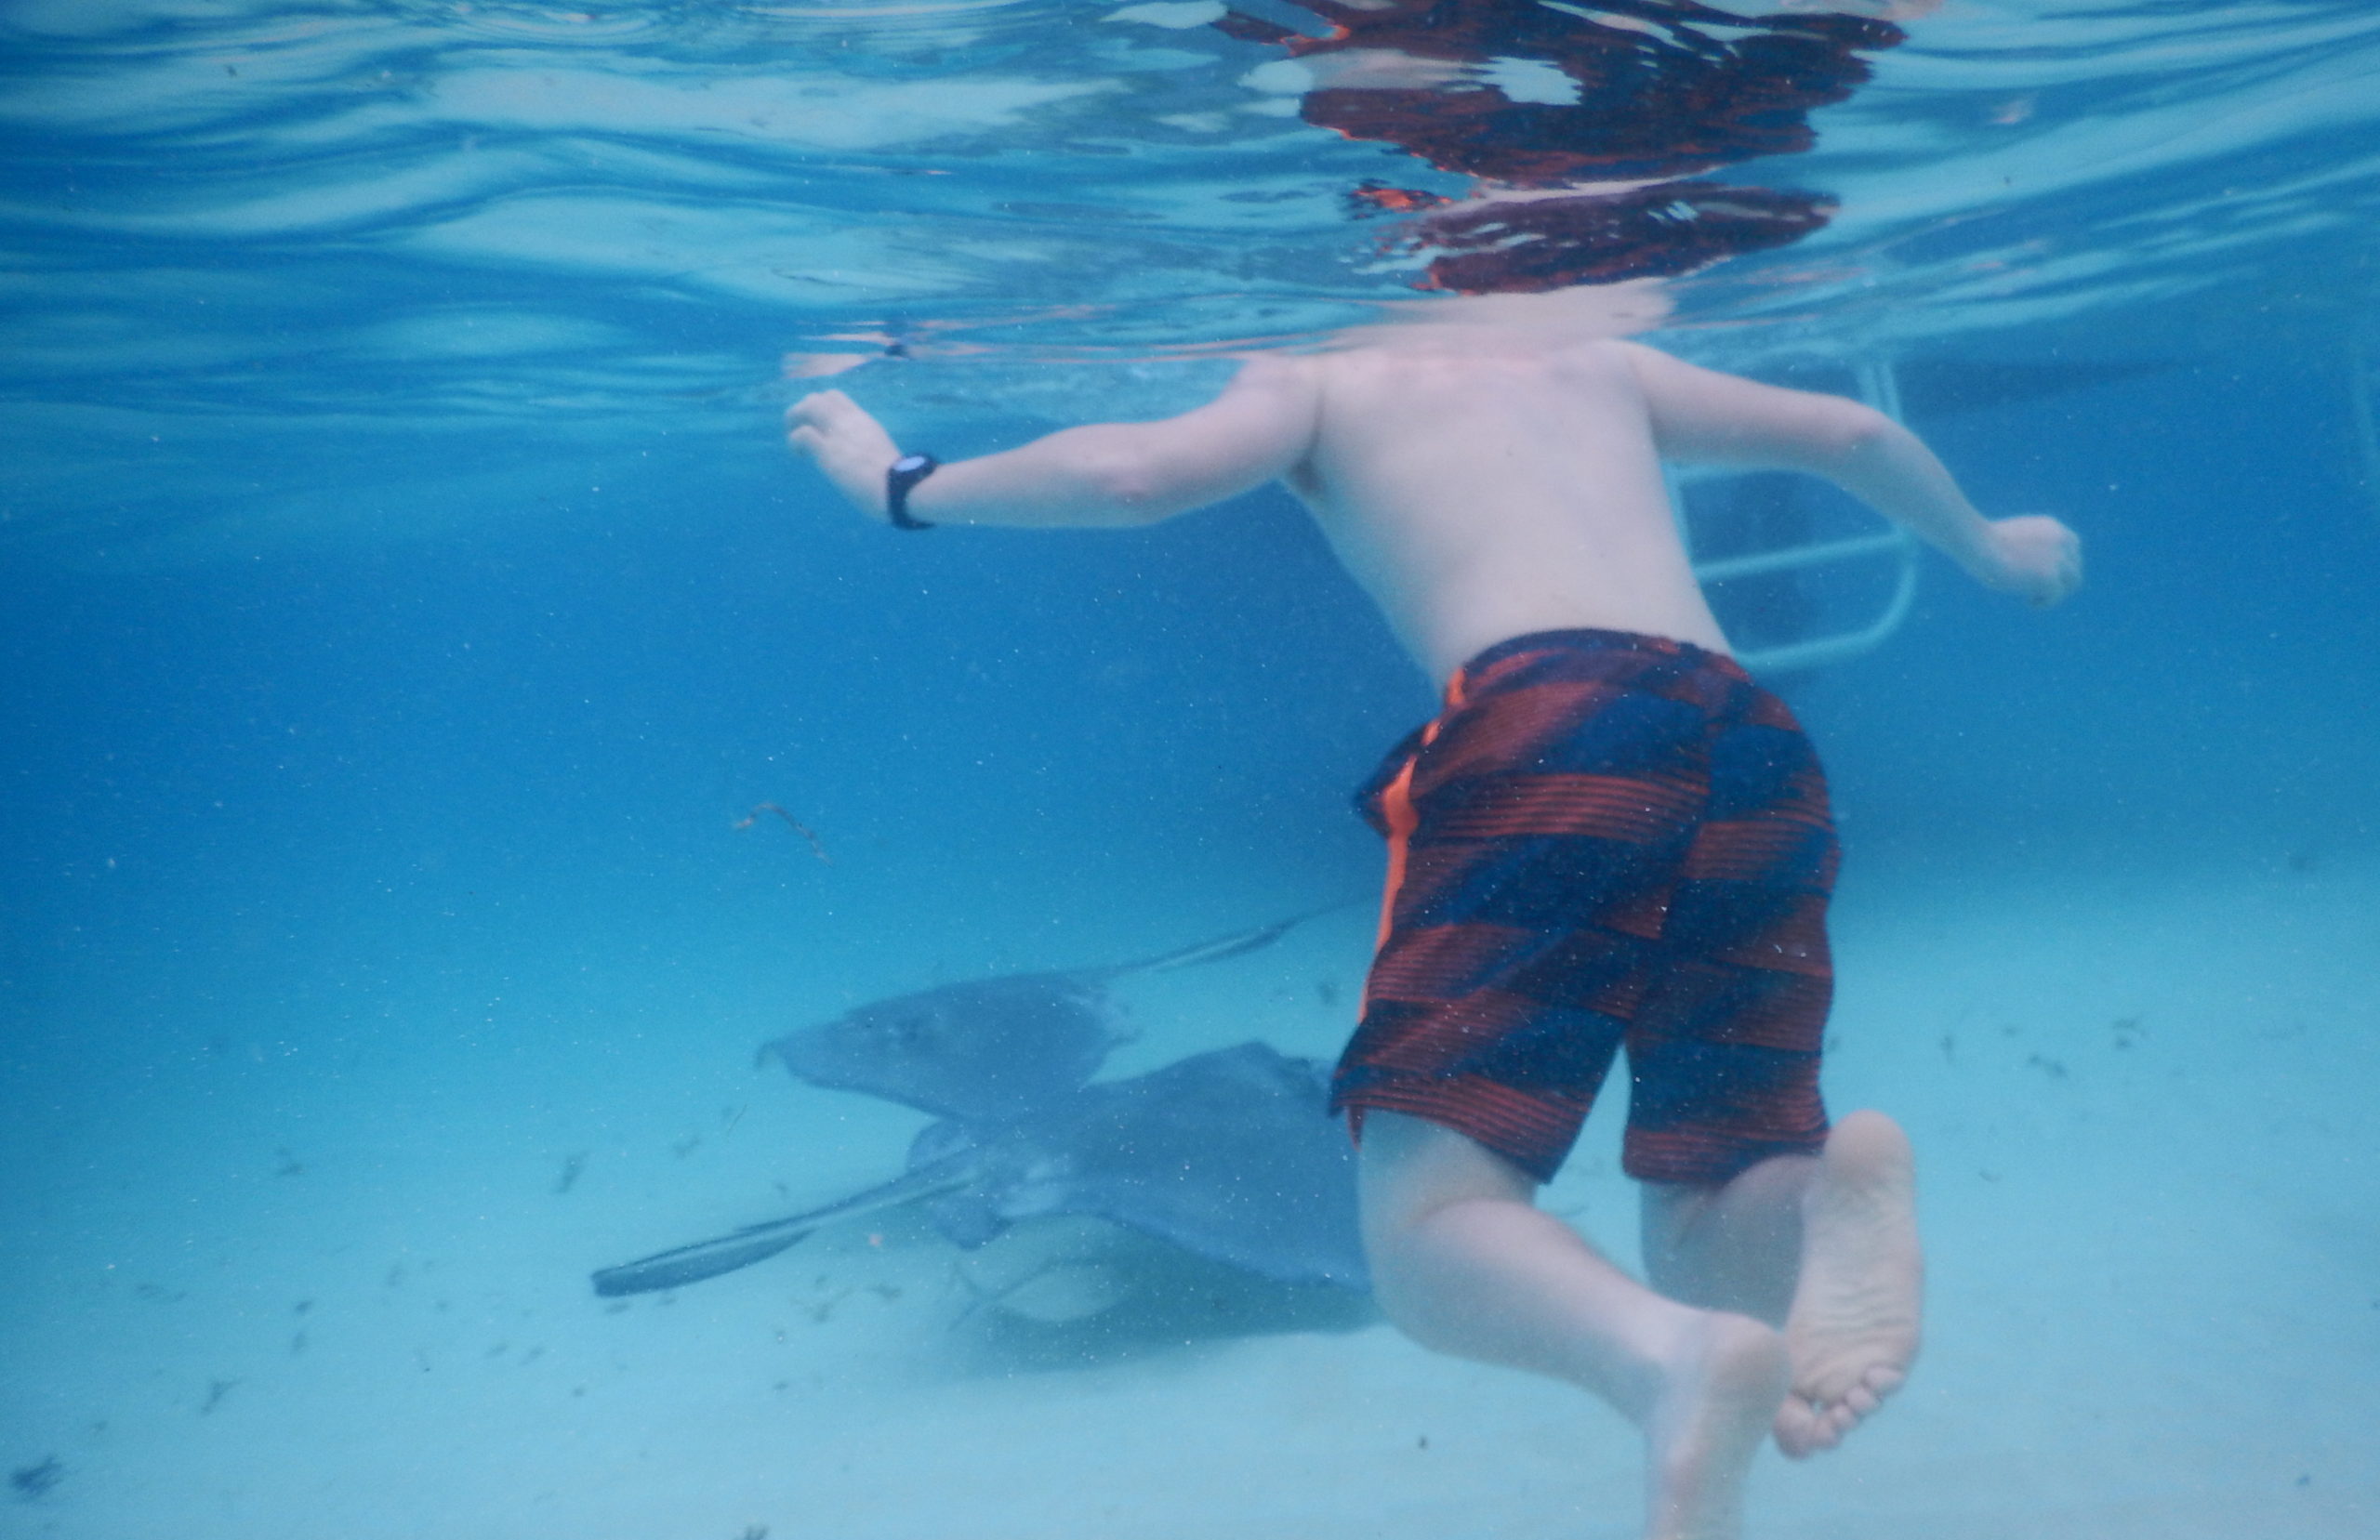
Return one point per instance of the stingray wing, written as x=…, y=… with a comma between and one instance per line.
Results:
x=1230, y=1154
x=991, y=1049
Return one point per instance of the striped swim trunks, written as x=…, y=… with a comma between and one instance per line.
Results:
x=1605, y=839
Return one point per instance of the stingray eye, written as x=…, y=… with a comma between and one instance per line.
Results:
x=909, y=1031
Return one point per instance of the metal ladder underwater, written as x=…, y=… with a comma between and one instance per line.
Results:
x=1880, y=387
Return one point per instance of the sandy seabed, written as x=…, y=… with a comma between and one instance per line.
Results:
x=354, y=1304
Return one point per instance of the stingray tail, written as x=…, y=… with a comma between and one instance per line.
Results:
x=741, y=1248
x=1238, y=944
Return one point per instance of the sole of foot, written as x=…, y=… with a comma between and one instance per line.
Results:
x=1853, y=1330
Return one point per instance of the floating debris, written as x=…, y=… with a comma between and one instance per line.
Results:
x=821, y=1309
x=571, y=1169
x=817, y=846
x=33, y=1482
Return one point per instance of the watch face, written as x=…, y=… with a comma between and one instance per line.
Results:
x=908, y=463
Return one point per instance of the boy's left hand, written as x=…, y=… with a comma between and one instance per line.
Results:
x=845, y=442
x=2036, y=557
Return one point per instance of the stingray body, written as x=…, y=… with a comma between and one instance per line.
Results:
x=1231, y=1155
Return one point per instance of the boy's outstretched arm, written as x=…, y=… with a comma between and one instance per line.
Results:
x=1700, y=414
x=1111, y=474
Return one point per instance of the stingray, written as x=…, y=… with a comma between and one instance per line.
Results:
x=1229, y=1155
x=991, y=1047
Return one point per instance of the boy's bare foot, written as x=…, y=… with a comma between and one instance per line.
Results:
x=1854, y=1325
x=1714, y=1408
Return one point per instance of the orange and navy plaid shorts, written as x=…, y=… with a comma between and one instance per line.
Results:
x=1605, y=839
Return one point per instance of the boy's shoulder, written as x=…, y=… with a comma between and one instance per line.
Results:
x=1382, y=365
x=1372, y=347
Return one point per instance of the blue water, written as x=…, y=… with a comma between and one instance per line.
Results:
x=407, y=595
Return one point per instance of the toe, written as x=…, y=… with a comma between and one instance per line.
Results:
x=1796, y=1428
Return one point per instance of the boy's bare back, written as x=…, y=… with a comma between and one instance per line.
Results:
x=1481, y=486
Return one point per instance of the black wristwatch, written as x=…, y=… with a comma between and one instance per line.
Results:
x=899, y=478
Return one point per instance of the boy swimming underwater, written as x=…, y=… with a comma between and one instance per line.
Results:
x=1611, y=837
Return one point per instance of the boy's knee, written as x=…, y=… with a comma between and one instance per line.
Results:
x=1409, y=1168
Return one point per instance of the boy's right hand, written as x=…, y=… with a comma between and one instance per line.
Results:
x=845, y=442
x=2034, y=555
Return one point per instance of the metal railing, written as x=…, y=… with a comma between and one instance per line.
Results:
x=1879, y=388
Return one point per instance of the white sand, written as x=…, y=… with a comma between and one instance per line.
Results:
x=2156, y=1300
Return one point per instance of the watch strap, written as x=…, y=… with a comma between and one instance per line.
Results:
x=900, y=477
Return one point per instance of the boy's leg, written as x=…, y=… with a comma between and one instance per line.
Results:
x=1825, y=1246
x=1737, y=1246
x=1465, y=1263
